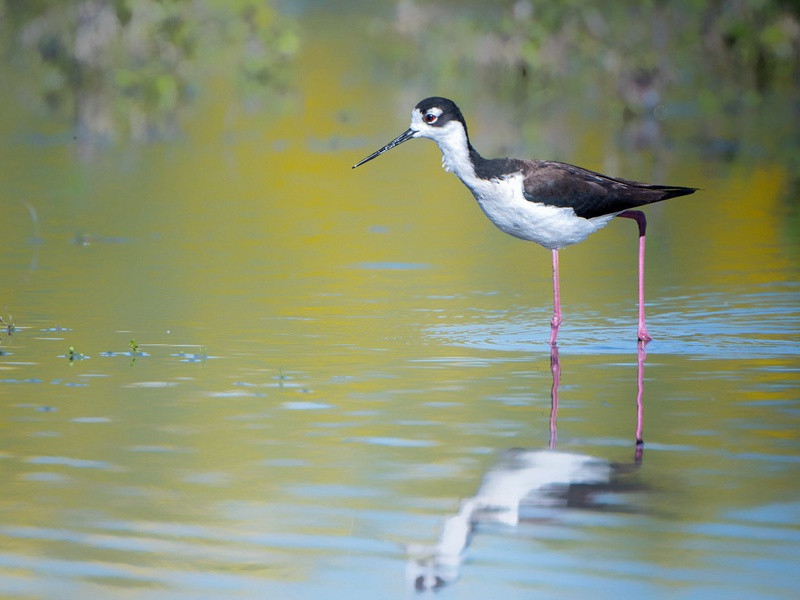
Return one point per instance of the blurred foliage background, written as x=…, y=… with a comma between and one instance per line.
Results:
x=739, y=46
x=125, y=68
x=725, y=73
x=122, y=69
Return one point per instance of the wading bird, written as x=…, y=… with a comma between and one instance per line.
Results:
x=551, y=203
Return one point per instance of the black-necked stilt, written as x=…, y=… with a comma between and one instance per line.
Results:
x=551, y=203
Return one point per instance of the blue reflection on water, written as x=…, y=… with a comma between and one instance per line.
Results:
x=714, y=325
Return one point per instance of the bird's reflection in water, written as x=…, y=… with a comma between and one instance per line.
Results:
x=528, y=486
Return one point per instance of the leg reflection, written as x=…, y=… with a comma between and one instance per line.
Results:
x=555, y=370
x=640, y=356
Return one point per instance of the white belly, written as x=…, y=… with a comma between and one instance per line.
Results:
x=549, y=226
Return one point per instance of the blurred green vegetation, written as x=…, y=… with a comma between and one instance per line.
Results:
x=126, y=67
x=730, y=46
x=724, y=73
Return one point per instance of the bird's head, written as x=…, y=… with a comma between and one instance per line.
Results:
x=435, y=118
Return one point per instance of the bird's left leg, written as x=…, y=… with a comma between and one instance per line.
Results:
x=556, y=322
x=639, y=217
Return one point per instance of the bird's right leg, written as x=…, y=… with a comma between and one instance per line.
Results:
x=641, y=221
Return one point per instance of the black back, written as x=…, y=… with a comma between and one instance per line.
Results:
x=588, y=193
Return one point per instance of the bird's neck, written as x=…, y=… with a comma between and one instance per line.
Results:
x=458, y=155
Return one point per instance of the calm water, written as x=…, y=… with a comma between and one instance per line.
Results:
x=333, y=370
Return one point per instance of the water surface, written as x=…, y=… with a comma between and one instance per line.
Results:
x=327, y=364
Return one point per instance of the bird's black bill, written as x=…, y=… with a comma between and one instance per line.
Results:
x=403, y=137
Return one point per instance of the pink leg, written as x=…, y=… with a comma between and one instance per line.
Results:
x=556, y=322
x=639, y=217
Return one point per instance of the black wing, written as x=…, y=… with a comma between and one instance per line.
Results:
x=588, y=193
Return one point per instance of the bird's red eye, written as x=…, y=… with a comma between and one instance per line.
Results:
x=430, y=118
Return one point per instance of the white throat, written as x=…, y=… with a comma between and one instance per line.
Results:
x=452, y=141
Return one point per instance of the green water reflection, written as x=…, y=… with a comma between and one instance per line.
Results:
x=331, y=360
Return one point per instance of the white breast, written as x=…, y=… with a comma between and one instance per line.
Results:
x=549, y=226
